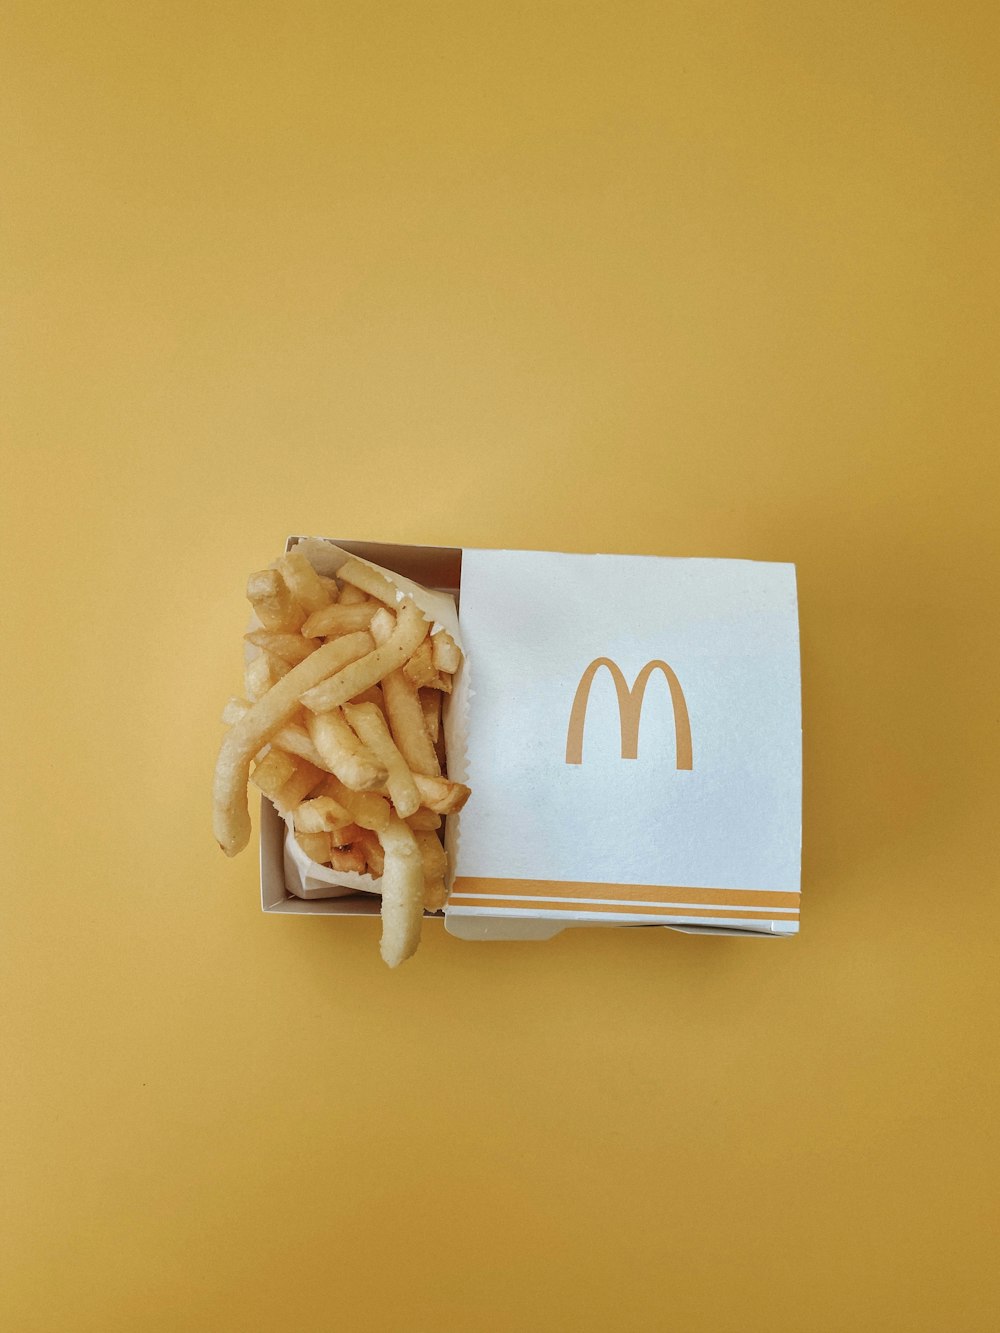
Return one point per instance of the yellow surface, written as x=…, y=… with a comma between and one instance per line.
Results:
x=688, y=279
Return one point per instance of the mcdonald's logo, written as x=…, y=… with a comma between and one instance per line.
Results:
x=629, y=711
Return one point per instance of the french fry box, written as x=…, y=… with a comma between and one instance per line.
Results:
x=630, y=727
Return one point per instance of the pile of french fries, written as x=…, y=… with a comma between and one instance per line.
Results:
x=342, y=724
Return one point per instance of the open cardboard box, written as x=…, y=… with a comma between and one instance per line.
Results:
x=700, y=831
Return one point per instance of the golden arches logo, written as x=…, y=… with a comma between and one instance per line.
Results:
x=629, y=711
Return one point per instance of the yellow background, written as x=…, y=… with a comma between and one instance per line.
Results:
x=714, y=279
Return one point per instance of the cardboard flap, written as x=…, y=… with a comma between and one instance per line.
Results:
x=634, y=745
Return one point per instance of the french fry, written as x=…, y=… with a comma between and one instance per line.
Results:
x=315, y=845
x=411, y=627
x=260, y=673
x=303, y=581
x=321, y=814
x=273, y=604
x=369, y=580
x=343, y=753
x=290, y=648
x=278, y=667
x=371, y=696
x=424, y=819
x=346, y=834
x=273, y=771
x=371, y=727
x=446, y=654
x=383, y=622
x=441, y=794
x=351, y=596
x=257, y=678
x=423, y=667
x=331, y=585
x=402, y=706
x=366, y=808
x=438, y=680
x=234, y=710
x=348, y=860
x=402, y=892
x=301, y=784
x=368, y=843
x=435, y=894
x=285, y=779
x=294, y=738
x=406, y=719
x=430, y=702
x=340, y=619
x=230, y=814
x=433, y=856
x=420, y=668
x=434, y=859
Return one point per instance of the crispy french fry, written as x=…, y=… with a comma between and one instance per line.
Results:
x=402, y=706
x=234, y=710
x=321, y=814
x=351, y=596
x=366, y=808
x=273, y=604
x=290, y=648
x=424, y=819
x=273, y=771
x=279, y=668
x=371, y=727
x=438, y=680
x=294, y=738
x=231, y=816
x=260, y=673
x=420, y=668
x=384, y=621
x=434, y=859
x=331, y=585
x=371, y=696
x=343, y=753
x=348, y=860
x=303, y=581
x=369, y=580
x=344, y=835
x=406, y=719
x=402, y=892
x=368, y=843
x=410, y=629
x=433, y=856
x=441, y=794
x=301, y=784
x=435, y=894
x=315, y=845
x=430, y=702
x=257, y=678
x=330, y=621
x=446, y=654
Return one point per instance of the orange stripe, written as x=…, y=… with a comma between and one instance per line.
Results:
x=618, y=909
x=553, y=888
